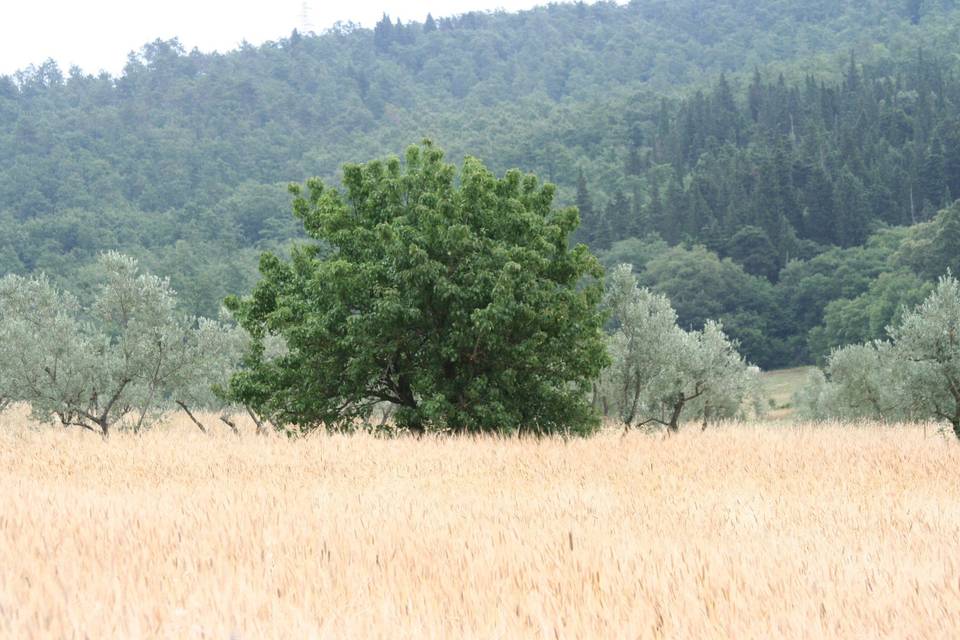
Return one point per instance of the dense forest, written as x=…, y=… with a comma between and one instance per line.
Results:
x=784, y=166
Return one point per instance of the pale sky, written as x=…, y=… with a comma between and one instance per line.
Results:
x=98, y=34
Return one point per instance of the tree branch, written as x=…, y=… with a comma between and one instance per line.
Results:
x=192, y=417
x=230, y=423
x=260, y=429
x=113, y=400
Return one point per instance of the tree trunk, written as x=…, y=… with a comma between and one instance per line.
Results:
x=387, y=413
x=416, y=426
x=191, y=416
x=409, y=400
x=955, y=420
x=146, y=407
x=230, y=423
x=674, y=426
x=261, y=430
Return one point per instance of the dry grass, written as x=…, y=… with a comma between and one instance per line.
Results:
x=740, y=532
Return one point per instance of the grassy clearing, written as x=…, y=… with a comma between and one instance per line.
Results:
x=780, y=386
x=743, y=532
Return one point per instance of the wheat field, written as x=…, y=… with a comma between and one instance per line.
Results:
x=749, y=531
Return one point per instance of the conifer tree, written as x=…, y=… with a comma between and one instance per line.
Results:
x=383, y=33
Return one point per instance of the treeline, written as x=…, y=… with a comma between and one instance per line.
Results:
x=838, y=297
x=438, y=299
x=451, y=302
x=791, y=208
x=783, y=170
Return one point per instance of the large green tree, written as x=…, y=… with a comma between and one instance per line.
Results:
x=454, y=298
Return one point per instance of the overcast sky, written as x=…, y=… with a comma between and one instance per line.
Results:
x=98, y=34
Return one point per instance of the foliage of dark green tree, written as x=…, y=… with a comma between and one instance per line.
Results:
x=933, y=247
x=702, y=288
x=752, y=249
x=454, y=297
x=866, y=317
x=807, y=287
x=637, y=252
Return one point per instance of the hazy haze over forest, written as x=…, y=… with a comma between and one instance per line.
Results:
x=97, y=34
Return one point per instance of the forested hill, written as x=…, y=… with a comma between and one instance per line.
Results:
x=765, y=131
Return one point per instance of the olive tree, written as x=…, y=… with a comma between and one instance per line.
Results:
x=452, y=296
x=660, y=372
x=646, y=335
x=860, y=381
x=123, y=359
x=814, y=400
x=914, y=375
x=730, y=387
x=927, y=346
x=209, y=353
x=49, y=360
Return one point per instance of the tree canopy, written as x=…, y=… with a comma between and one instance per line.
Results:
x=121, y=358
x=661, y=373
x=452, y=296
x=915, y=374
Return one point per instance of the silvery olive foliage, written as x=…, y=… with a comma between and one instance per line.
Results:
x=122, y=360
x=660, y=373
x=914, y=375
x=860, y=382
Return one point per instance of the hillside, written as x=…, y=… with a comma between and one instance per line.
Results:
x=765, y=131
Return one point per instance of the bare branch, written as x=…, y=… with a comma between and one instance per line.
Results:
x=260, y=428
x=230, y=423
x=191, y=416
